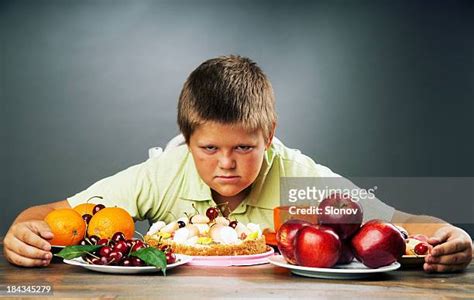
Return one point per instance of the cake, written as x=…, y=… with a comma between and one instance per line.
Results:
x=417, y=245
x=207, y=235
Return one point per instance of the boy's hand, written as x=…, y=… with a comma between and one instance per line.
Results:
x=26, y=244
x=452, y=250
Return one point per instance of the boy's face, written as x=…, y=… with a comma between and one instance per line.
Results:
x=227, y=157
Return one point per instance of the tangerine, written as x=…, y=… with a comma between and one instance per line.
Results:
x=84, y=208
x=110, y=220
x=67, y=226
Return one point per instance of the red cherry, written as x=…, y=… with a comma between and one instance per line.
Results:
x=421, y=249
x=97, y=208
x=138, y=246
x=212, y=213
x=170, y=258
x=86, y=218
x=94, y=239
x=136, y=261
x=116, y=256
x=126, y=263
x=118, y=236
x=121, y=247
x=104, y=242
x=233, y=224
x=105, y=251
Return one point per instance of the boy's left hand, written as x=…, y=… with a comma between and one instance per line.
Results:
x=452, y=250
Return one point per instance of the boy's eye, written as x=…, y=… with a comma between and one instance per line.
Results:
x=209, y=148
x=244, y=148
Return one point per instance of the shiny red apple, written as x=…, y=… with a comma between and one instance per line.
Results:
x=341, y=213
x=347, y=255
x=317, y=246
x=378, y=243
x=285, y=236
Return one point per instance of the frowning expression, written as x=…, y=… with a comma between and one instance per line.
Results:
x=227, y=157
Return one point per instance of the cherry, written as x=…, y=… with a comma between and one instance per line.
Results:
x=130, y=243
x=84, y=242
x=96, y=261
x=105, y=251
x=233, y=224
x=116, y=256
x=212, y=213
x=97, y=208
x=121, y=246
x=181, y=224
x=421, y=248
x=118, y=236
x=103, y=242
x=126, y=263
x=170, y=258
x=136, y=261
x=94, y=239
x=138, y=245
x=87, y=218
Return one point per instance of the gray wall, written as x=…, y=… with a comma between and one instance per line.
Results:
x=368, y=88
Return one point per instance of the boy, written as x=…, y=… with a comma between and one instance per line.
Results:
x=227, y=116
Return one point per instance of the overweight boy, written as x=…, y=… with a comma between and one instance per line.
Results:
x=226, y=113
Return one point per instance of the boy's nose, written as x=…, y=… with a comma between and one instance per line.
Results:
x=226, y=162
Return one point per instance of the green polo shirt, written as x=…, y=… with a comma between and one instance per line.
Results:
x=165, y=187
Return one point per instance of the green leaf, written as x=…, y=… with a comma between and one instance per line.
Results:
x=70, y=252
x=153, y=257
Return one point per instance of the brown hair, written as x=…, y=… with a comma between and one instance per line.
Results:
x=229, y=90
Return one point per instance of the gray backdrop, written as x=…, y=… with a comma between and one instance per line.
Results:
x=368, y=88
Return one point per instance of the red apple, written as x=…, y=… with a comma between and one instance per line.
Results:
x=285, y=237
x=341, y=213
x=378, y=243
x=317, y=246
x=347, y=255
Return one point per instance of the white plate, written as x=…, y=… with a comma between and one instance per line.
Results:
x=349, y=271
x=180, y=260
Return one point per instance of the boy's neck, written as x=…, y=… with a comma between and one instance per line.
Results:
x=228, y=204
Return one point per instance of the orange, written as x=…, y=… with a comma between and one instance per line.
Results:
x=67, y=226
x=84, y=208
x=110, y=220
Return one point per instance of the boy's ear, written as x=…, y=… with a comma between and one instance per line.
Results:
x=270, y=136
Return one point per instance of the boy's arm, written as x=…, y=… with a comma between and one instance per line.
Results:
x=26, y=242
x=452, y=246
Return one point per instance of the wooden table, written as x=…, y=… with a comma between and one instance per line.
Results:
x=262, y=282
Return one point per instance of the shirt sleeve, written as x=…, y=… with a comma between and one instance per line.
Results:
x=132, y=189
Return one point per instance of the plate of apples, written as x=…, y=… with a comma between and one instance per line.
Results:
x=339, y=245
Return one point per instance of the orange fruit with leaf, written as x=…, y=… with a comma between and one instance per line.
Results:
x=110, y=220
x=67, y=226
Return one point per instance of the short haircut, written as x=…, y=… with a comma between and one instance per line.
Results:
x=229, y=90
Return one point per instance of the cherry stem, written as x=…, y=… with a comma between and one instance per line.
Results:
x=195, y=209
x=141, y=235
x=100, y=197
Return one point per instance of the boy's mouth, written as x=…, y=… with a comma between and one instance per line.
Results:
x=227, y=179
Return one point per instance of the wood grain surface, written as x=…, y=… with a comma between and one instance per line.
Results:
x=262, y=282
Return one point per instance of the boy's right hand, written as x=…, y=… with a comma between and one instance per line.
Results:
x=26, y=244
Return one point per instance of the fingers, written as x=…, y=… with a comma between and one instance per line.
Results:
x=41, y=228
x=29, y=235
x=23, y=246
x=440, y=238
x=430, y=268
x=455, y=258
x=451, y=246
x=19, y=260
x=27, y=251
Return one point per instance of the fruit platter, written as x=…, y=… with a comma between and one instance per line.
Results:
x=102, y=240
x=339, y=245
